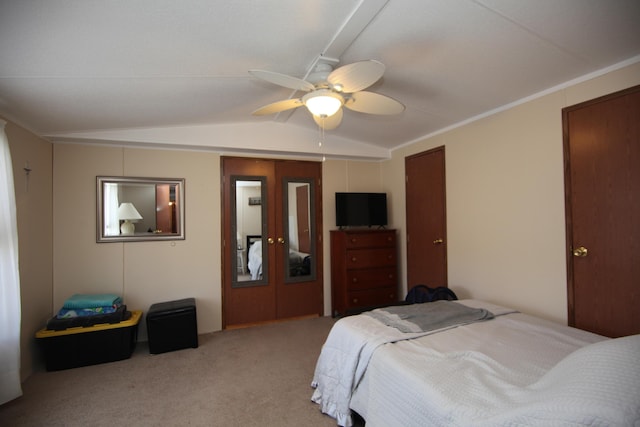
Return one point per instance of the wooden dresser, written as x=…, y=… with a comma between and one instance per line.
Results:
x=364, y=269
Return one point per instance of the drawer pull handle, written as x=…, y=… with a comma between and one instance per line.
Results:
x=354, y=259
x=354, y=280
x=355, y=300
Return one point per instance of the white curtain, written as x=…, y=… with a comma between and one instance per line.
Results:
x=111, y=220
x=10, y=312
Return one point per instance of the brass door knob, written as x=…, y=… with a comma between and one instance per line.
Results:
x=281, y=240
x=580, y=252
x=438, y=241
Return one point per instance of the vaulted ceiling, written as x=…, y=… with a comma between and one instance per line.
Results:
x=175, y=73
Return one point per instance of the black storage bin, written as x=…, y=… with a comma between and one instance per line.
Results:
x=172, y=325
x=83, y=346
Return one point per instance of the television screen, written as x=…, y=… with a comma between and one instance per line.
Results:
x=361, y=209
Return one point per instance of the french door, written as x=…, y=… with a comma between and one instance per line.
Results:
x=272, y=248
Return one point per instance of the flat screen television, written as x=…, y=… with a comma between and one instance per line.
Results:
x=361, y=209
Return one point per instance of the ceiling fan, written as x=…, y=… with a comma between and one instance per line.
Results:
x=329, y=90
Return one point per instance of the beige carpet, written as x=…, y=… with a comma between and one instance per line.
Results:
x=258, y=376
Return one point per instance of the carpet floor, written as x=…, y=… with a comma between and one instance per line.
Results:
x=258, y=376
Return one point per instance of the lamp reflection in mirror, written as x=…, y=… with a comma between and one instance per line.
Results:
x=128, y=213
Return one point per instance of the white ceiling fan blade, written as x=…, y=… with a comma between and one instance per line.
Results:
x=282, y=80
x=357, y=76
x=329, y=123
x=277, y=107
x=373, y=103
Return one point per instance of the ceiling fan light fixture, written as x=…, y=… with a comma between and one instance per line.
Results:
x=323, y=102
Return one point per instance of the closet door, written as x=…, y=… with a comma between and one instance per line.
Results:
x=426, y=219
x=299, y=251
x=249, y=291
x=602, y=184
x=272, y=251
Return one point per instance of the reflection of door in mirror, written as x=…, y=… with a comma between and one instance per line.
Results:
x=302, y=215
x=277, y=205
x=166, y=212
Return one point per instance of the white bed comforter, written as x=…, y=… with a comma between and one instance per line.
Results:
x=596, y=385
x=511, y=371
x=345, y=356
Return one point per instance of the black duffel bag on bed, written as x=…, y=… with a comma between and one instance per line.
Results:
x=422, y=293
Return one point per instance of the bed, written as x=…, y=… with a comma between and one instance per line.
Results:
x=254, y=256
x=501, y=368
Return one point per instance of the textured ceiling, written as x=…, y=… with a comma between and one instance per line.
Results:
x=176, y=73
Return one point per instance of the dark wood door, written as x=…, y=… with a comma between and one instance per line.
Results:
x=426, y=219
x=289, y=281
x=602, y=179
x=299, y=281
x=255, y=300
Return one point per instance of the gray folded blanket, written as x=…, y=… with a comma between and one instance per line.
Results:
x=429, y=316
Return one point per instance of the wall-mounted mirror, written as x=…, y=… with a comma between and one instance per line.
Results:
x=139, y=209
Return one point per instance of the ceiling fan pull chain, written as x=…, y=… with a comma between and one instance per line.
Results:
x=321, y=134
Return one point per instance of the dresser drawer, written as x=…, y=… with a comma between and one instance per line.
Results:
x=370, y=258
x=371, y=278
x=370, y=240
x=371, y=297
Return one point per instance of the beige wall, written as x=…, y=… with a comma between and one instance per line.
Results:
x=505, y=199
x=35, y=245
x=142, y=272
x=342, y=176
x=148, y=272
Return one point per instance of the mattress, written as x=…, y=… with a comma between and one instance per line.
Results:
x=514, y=366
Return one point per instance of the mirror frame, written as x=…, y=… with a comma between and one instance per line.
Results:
x=102, y=238
x=312, y=228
